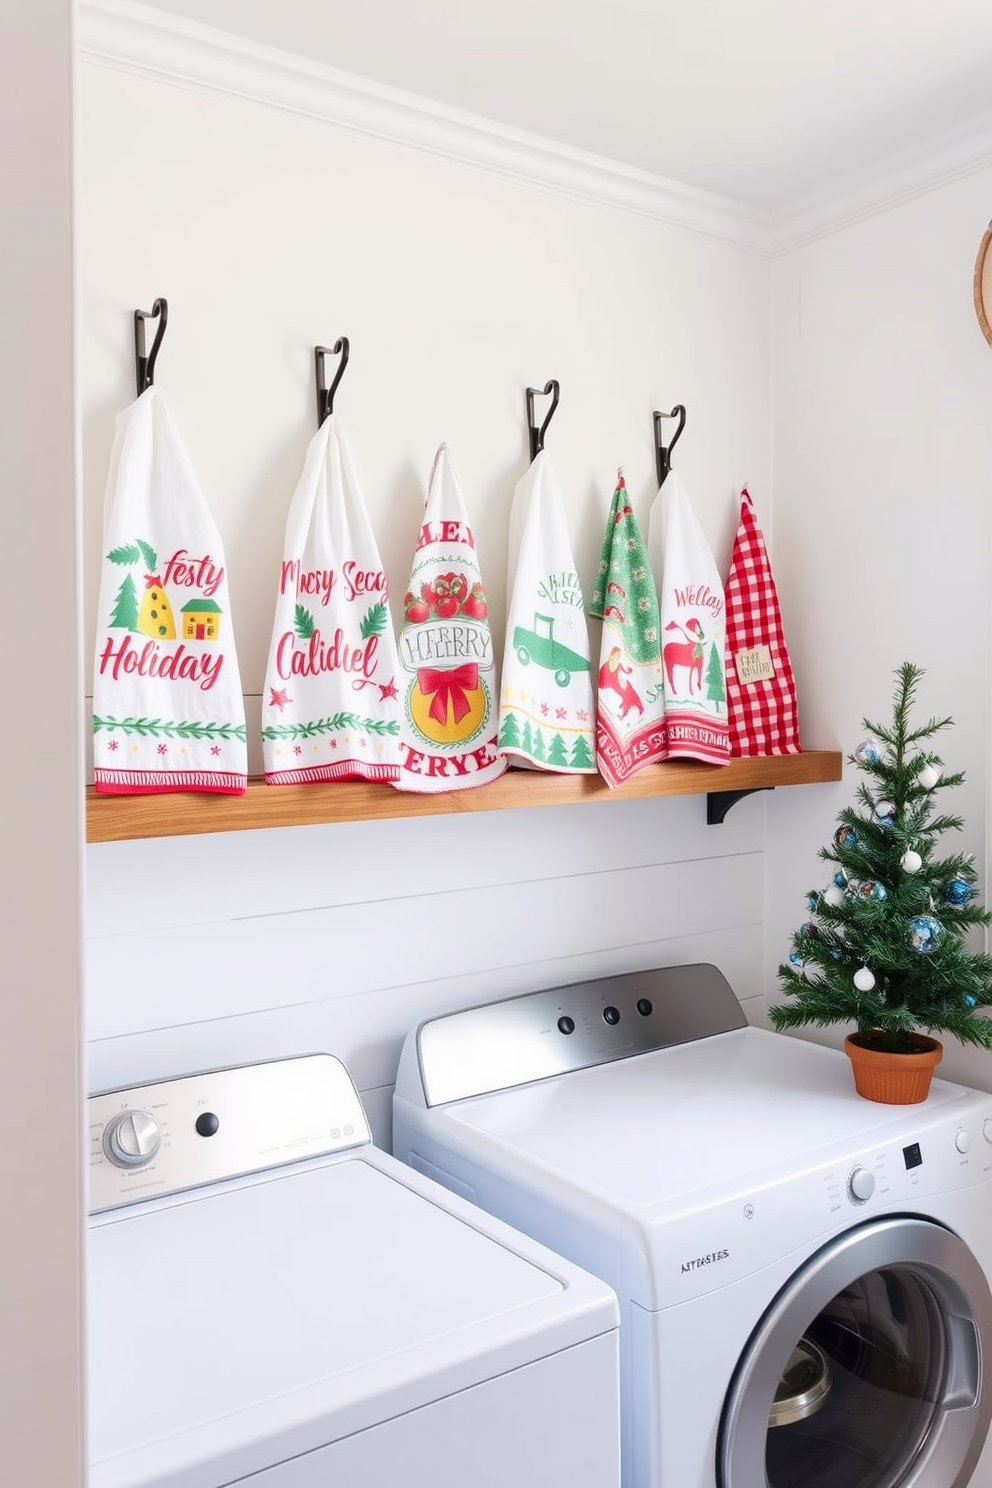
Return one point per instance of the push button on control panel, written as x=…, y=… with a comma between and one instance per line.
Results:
x=207, y=1124
x=611, y=1015
x=962, y=1140
x=566, y=1024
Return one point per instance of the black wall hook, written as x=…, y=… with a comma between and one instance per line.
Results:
x=145, y=365
x=325, y=394
x=663, y=456
x=537, y=434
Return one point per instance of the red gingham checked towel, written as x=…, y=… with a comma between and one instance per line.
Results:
x=761, y=688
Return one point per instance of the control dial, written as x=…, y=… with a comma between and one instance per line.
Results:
x=132, y=1139
x=860, y=1186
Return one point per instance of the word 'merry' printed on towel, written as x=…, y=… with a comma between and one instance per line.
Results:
x=547, y=710
x=449, y=722
x=168, y=712
x=630, y=714
x=330, y=708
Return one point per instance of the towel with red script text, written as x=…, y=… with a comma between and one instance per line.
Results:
x=693, y=624
x=330, y=707
x=168, y=712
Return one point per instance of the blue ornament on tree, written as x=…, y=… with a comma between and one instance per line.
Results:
x=885, y=813
x=866, y=753
x=969, y=1001
x=812, y=901
x=796, y=959
x=924, y=933
x=808, y=931
x=957, y=891
x=871, y=890
x=840, y=878
x=846, y=837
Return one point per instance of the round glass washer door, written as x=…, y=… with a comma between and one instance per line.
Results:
x=868, y=1370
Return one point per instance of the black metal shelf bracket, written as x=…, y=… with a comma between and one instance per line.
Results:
x=718, y=803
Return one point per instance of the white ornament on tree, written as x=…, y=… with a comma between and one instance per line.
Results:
x=929, y=776
x=833, y=896
x=911, y=861
x=863, y=979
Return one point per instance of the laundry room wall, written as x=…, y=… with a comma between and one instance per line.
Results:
x=883, y=485
x=269, y=229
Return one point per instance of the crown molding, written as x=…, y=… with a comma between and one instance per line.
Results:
x=904, y=179
x=164, y=48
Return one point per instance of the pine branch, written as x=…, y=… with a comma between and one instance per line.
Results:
x=318, y=727
x=374, y=621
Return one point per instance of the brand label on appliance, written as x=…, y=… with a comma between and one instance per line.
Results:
x=706, y=1260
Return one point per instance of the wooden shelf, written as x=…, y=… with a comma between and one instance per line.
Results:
x=118, y=818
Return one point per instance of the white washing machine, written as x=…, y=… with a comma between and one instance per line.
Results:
x=802, y=1274
x=272, y=1301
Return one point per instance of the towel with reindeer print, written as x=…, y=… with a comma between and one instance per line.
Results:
x=693, y=629
x=630, y=713
x=330, y=707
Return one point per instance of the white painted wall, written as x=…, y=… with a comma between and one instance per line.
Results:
x=268, y=232
x=883, y=489
x=41, y=1426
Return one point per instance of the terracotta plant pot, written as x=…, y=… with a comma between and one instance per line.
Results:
x=893, y=1079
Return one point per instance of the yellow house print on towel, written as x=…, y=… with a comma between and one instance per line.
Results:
x=201, y=620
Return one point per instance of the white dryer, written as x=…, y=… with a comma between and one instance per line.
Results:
x=802, y=1274
x=273, y=1301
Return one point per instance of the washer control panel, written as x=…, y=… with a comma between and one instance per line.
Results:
x=942, y=1155
x=149, y=1140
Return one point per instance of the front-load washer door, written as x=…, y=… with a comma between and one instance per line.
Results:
x=869, y=1370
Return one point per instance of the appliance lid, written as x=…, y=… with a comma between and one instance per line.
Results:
x=658, y=1130
x=337, y=1294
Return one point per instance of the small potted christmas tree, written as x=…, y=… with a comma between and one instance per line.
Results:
x=884, y=945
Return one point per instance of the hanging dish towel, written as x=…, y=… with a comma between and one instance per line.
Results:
x=449, y=719
x=168, y=712
x=546, y=716
x=693, y=621
x=761, y=689
x=330, y=708
x=630, y=713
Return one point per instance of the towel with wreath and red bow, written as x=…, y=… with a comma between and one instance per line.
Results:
x=449, y=715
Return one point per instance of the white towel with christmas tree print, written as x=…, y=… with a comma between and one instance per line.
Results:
x=630, y=705
x=449, y=716
x=168, y=712
x=330, y=708
x=693, y=627
x=547, y=710
x=761, y=687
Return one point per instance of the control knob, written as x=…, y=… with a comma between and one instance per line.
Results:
x=132, y=1139
x=860, y=1186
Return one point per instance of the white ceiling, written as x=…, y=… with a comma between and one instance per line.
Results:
x=772, y=103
